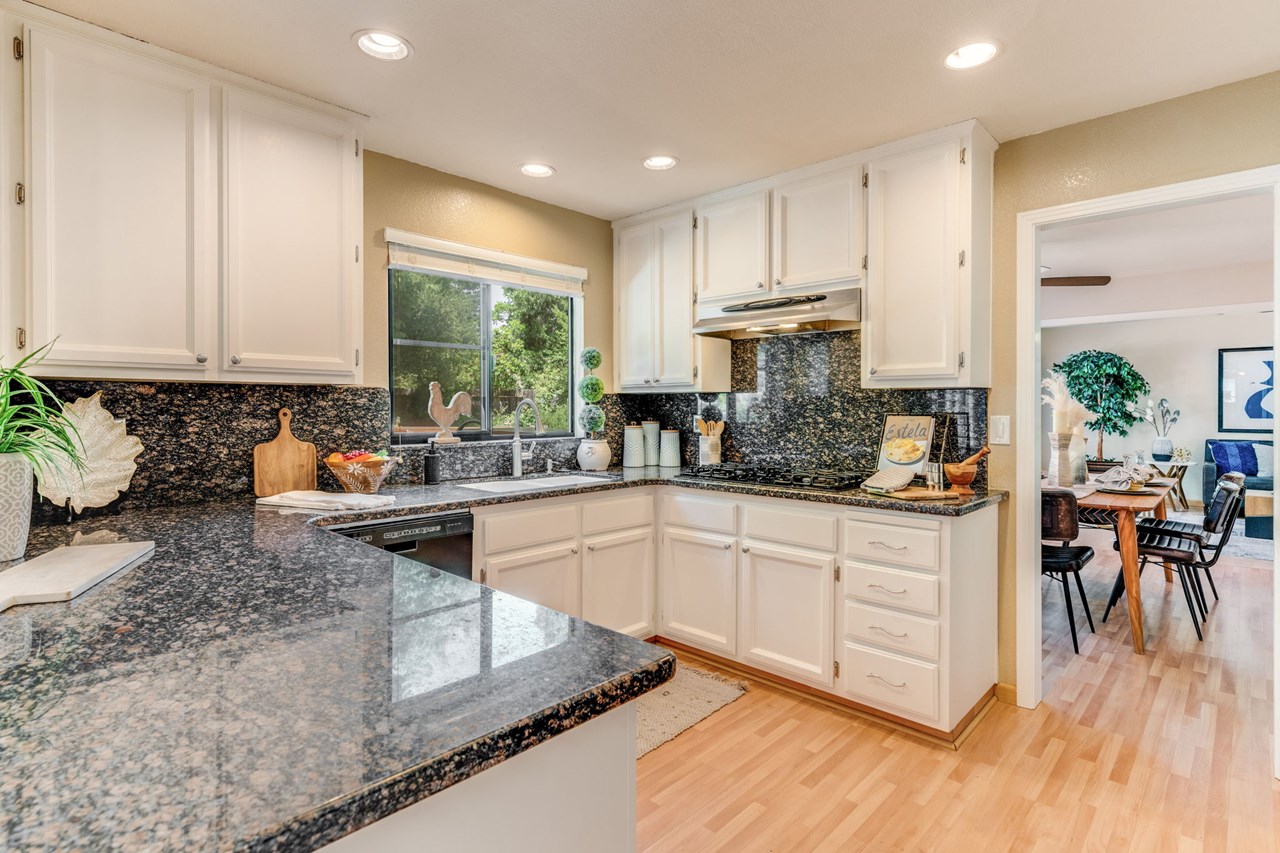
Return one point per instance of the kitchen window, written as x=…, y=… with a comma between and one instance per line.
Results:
x=502, y=332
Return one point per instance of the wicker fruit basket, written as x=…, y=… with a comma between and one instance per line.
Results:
x=365, y=477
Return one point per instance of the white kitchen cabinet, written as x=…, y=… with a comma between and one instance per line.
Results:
x=122, y=200
x=927, y=295
x=656, y=348
x=697, y=590
x=618, y=581
x=817, y=233
x=786, y=611
x=731, y=260
x=292, y=239
x=550, y=576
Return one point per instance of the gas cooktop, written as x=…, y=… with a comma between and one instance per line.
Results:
x=776, y=475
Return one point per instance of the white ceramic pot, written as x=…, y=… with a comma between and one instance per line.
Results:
x=593, y=454
x=16, y=481
x=1162, y=448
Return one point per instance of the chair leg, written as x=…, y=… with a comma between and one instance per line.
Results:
x=1071, y=616
x=1117, y=590
x=1084, y=602
x=1198, y=588
x=1191, y=606
x=1209, y=575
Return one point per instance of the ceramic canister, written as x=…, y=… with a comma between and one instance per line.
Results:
x=669, y=457
x=632, y=447
x=708, y=450
x=651, y=449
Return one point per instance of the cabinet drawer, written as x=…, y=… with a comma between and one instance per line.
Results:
x=885, y=679
x=530, y=527
x=887, y=586
x=792, y=528
x=700, y=513
x=889, y=543
x=891, y=630
x=599, y=516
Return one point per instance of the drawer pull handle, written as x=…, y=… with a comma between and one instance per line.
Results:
x=886, y=589
x=886, y=681
x=901, y=636
x=885, y=545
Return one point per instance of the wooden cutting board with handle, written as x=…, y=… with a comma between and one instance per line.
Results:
x=284, y=464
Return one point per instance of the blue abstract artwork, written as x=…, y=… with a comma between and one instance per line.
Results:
x=1246, y=383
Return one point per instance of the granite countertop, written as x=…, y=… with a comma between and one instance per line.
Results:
x=262, y=683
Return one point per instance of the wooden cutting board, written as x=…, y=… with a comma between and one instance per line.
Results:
x=284, y=464
x=64, y=573
x=919, y=493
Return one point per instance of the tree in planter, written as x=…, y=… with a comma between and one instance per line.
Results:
x=1108, y=385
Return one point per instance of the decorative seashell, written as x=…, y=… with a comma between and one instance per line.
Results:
x=107, y=453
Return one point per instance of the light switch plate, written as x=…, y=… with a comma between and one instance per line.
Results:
x=998, y=432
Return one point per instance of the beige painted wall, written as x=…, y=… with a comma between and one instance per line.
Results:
x=400, y=194
x=1228, y=129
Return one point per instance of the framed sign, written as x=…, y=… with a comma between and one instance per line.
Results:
x=905, y=442
x=1246, y=380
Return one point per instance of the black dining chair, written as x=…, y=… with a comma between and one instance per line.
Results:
x=1210, y=543
x=1059, y=522
x=1188, y=556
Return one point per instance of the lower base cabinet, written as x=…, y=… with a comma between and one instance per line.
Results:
x=786, y=611
x=618, y=582
x=698, y=590
x=549, y=576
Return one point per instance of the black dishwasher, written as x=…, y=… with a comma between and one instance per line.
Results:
x=442, y=540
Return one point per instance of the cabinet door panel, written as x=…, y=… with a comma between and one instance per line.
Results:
x=547, y=576
x=787, y=611
x=913, y=272
x=618, y=582
x=291, y=236
x=817, y=230
x=122, y=194
x=637, y=280
x=698, y=591
x=733, y=247
x=674, y=237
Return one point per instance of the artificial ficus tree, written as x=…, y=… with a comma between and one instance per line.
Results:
x=1108, y=385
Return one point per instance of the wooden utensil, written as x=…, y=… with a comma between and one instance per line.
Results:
x=702, y=426
x=919, y=493
x=961, y=474
x=718, y=428
x=284, y=464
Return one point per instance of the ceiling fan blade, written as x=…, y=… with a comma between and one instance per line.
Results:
x=1075, y=281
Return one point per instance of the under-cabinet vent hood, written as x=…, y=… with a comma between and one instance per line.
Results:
x=782, y=314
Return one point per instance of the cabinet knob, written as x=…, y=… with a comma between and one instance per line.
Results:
x=727, y=546
x=201, y=358
x=235, y=359
x=648, y=382
x=657, y=381
x=871, y=371
x=777, y=282
x=759, y=285
x=573, y=550
x=591, y=547
x=746, y=550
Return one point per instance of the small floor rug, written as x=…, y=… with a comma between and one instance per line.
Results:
x=683, y=702
x=1240, y=545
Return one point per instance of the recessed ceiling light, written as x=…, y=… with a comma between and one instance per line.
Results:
x=658, y=162
x=382, y=45
x=537, y=170
x=972, y=55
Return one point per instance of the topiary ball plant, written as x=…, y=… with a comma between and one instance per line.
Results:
x=591, y=418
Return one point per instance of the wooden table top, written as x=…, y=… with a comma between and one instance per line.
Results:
x=1133, y=503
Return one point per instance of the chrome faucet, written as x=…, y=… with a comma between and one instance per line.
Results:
x=518, y=458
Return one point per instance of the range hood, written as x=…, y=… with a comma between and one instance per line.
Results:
x=783, y=315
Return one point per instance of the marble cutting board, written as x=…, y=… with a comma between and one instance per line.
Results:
x=64, y=573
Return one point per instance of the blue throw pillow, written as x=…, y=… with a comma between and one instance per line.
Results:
x=1235, y=456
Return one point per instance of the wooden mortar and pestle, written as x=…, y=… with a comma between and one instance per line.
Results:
x=961, y=474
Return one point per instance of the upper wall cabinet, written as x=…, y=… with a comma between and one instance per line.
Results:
x=653, y=297
x=291, y=239
x=817, y=231
x=927, y=297
x=181, y=223
x=732, y=256
x=123, y=205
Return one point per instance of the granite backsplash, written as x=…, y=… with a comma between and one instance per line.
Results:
x=795, y=400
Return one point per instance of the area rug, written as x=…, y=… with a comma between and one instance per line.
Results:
x=684, y=701
x=1240, y=545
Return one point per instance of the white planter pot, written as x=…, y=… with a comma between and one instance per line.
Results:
x=593, y=454
x=16, y=481
x=1162, y=448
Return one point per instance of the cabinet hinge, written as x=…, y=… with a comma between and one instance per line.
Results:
x=837, y=574
x=484, y=575
x=357, y=358
x=695, y=220
x=837, y=668
x=17, y=48
x=962, y=153
x=695, y=299
x=695, y=373
x=20, y=194
x=357, y=254
x=865, y=178
x=962, y=359
x=864, y=262
x=962, y=257
x=22, y=338
x=357, y=147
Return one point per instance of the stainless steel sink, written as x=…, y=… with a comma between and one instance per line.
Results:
x=502, y=487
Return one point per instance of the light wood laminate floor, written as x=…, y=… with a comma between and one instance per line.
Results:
x=1164, y=752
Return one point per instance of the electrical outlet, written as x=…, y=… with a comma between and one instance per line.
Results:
x=998, y=433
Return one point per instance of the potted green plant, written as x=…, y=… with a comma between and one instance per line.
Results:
x=593, y=453
x=34, y=438
x=1108, y=385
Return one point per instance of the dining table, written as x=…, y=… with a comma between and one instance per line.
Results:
x=1127, y=507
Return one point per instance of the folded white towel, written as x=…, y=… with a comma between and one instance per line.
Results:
x=327, y=500
x=1122, y=477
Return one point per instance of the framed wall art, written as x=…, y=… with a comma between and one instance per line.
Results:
x=1246, y=382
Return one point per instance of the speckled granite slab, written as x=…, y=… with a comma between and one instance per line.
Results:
x=261, y=683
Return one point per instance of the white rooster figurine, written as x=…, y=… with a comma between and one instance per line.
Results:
x=445, y=416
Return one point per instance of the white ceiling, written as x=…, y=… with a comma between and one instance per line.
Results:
x=1177, y=239
x=737, y=89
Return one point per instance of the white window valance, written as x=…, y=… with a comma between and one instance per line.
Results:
x=419, y=253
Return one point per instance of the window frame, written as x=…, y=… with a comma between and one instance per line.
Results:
x=486, y=431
